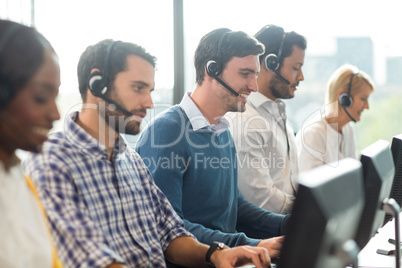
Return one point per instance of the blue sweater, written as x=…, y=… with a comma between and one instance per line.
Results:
x=197, y=171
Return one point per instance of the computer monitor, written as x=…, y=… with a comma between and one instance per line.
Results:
x=324, y=218
x=396, y=191
x=378, y=175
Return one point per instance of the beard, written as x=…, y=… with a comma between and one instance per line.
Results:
x=237, y=107
x=120, y=123
x=132, y=127
x=279, y=88
x=233, y=104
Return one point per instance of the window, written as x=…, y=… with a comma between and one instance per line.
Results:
x=17, y=10
x=73, y=25
x=357, y=32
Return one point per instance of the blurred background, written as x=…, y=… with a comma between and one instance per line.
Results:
x=364, y=33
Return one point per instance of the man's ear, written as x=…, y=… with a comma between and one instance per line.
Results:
x=95, y=70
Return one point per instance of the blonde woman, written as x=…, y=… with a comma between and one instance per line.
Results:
x=329, y=136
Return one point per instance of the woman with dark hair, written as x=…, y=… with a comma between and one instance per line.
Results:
x=29, y=84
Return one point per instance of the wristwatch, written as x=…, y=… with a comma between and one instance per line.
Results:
x=214, y=246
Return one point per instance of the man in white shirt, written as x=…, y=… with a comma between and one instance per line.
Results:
x=264, y=139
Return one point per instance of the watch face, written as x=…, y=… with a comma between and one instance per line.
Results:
x=221, y=245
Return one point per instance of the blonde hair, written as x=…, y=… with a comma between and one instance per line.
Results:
x=340, y=79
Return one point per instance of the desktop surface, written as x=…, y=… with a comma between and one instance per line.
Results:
x=368, y=256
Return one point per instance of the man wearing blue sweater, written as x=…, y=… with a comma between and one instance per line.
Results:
x=190, y=151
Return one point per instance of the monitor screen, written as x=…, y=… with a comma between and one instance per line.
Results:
x=325, y=215
x=378, y=175
x=396, y=191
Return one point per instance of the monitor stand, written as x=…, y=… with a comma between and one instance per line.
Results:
x=348, y=252
x=391, y=207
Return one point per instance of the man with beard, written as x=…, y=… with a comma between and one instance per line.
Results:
x=264, y=139
x=191, y=154
x=101, y=201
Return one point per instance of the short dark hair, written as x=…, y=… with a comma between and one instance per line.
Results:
x=22, y=53
x=95, y=55
x=271, y=36
x=234, y=44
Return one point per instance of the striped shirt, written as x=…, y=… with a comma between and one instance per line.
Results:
x=102, y=211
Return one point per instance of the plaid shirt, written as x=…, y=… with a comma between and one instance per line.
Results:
x=102, y=211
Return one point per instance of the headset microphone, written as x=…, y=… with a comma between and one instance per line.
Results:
x=100, y=91
x=283, y=78
x=214, y=67
x=351, y=118
x=210, y=68
x=118, y=107
x=98, y=82
x=346, y=99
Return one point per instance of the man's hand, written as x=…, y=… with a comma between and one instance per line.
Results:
x=273, y=245
x=234, y=257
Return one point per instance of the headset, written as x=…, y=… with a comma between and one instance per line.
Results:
x=98, y=81
x=214, y=67
x=272, y=60
x=5, y=94
x=346, y=99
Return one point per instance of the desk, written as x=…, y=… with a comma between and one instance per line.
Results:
x=368, y=257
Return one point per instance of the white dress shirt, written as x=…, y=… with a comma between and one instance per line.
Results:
x=197, y=119
x=25, y=240
x=319, y=143
x=266, y=150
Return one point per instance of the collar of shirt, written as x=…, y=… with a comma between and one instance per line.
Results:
x=88, y=144
x=197, y=119
x=276, y=108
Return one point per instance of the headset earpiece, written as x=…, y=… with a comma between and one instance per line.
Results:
x=98, y=81
x=96, y=84
x=272, y=60
x=212, y=68
x=345, y=100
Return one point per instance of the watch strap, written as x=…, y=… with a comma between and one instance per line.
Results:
x=214, y=246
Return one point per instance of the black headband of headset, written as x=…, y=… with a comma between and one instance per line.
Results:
x=106, y=66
